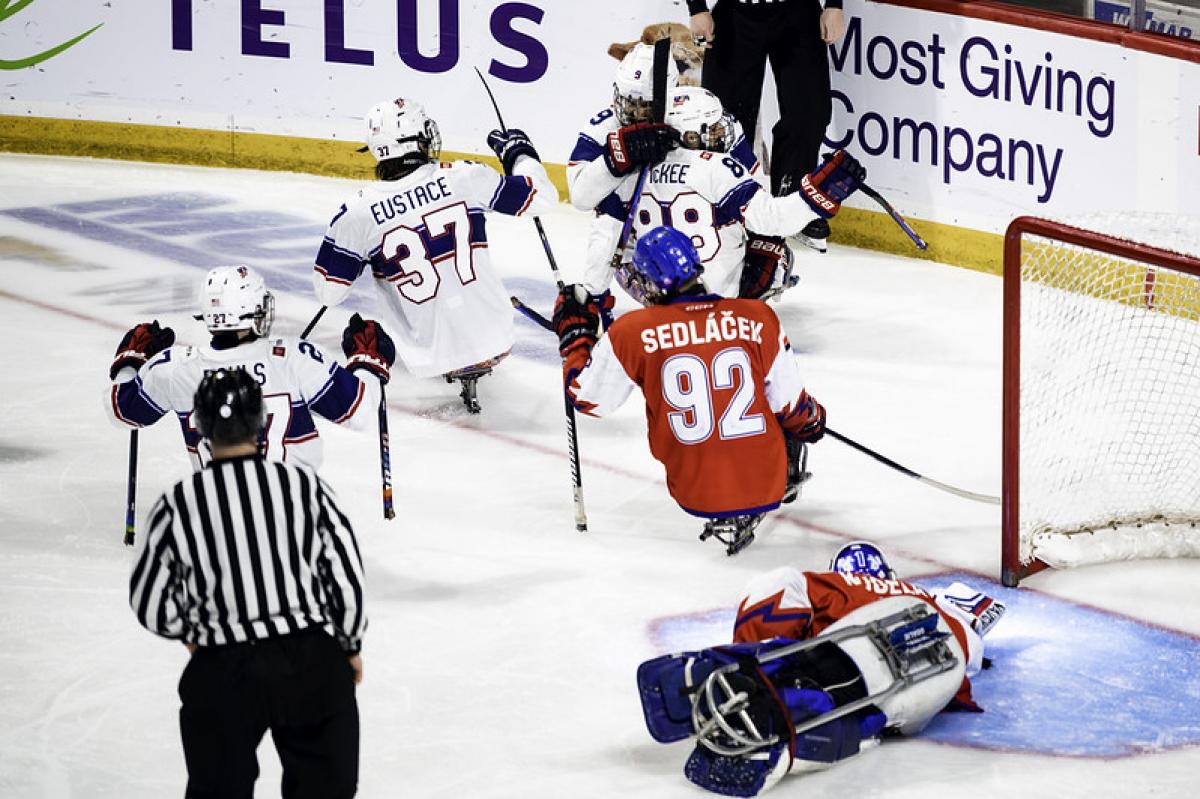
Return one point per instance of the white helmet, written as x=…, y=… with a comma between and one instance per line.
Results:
x=702, y=123
x=401, y=129
x=235, y=298
x=633, y=90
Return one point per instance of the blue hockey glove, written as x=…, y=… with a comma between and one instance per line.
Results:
x=368, y=346
x=509, y=145
x=140, y=344
x=826, y=186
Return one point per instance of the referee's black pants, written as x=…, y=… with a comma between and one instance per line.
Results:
x=301, y=687
x=789, y=36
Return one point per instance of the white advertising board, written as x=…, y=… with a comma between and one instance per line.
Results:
x=313, y=67
x=971, y=122
x=959, y=120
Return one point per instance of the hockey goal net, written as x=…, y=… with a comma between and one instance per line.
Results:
x=1101, y=392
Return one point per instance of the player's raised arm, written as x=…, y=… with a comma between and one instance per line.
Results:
x=819, y=196
x=339, y=260
x=129, y=403
x=525, y=187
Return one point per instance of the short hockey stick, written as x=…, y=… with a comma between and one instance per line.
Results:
x=531, y=315
x=537, y=221
x=131, y=489
x=662, y=53
x=572, y=436
x=385, y=446
x=313, y=323
x=569, y=407
x=385, y=457
x=958, y=492
x=899, y=220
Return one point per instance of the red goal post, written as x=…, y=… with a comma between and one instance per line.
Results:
x=1104, y=382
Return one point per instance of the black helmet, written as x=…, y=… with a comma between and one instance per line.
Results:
x=228, y=407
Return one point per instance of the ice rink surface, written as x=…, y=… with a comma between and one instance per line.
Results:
x=501, y=654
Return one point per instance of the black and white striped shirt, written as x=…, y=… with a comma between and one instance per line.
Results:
x=248, y=549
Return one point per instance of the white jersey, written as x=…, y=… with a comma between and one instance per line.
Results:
x=713, y=197
x=425, y=240
x=297, y=379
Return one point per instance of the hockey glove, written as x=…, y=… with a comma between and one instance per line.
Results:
x=576, y=321
x=139, y=345
x=825, y=187
x=368, y=346
x=629, y=147
x=813, y=429
x=766, y=257
x=509, y=145
x=604, y=303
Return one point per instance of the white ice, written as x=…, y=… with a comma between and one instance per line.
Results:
x=502, y=648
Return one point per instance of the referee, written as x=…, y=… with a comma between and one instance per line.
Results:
x=793, y=35
x=255, y=569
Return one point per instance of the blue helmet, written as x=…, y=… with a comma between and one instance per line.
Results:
x=663, y=260
x=862, y=557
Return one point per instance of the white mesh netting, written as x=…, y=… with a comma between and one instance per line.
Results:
x=1110, y=396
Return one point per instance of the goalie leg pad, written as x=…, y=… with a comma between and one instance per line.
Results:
x=746, y=775
x=666, y=685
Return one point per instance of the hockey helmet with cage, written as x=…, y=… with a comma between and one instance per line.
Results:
x=228, y=407
x=701, y=121
x=862, y=557
x=664, y=261
x=236, y=298
x=633, y=89
x=401, y=129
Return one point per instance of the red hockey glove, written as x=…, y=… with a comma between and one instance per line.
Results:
x=766, y=257
x=633, y=145
x=826, y=186
x=139, y=345
x=576, y=322
x=813, y=428
x=368, y=346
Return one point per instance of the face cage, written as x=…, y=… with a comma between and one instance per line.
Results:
x=715, y=138
x=260, y=320
x=630, y=109
x=716, y=708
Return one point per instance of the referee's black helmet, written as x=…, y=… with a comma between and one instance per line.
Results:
x=228, y=407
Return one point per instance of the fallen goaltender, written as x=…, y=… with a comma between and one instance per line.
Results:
x=870, y=656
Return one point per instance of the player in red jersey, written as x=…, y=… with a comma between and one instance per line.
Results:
x=721, y=385
x=788, y=603
x=823, y=665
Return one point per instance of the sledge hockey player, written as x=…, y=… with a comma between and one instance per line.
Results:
x=822, y=664
x=703, y=181
x=721, y=386
x=737, y=225
x=609, y=153
x=153, y=376
x=421, y=229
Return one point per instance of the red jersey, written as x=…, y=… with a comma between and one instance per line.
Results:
x=720, y=383
x=789, y=603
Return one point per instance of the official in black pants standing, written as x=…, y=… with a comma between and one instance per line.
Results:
x=792, y=35
x=255, y=569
